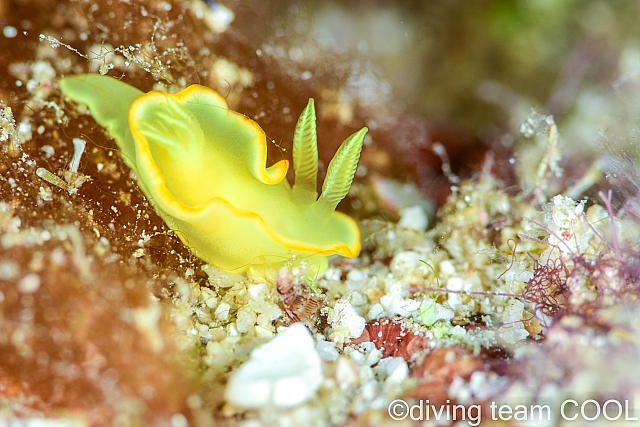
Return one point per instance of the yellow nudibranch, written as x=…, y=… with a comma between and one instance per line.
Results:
x=203, y=167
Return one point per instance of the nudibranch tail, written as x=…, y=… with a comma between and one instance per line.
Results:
x=203, y=167
x=341, y=171
x=305, y=156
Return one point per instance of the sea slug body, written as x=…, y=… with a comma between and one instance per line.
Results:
x=203, y=167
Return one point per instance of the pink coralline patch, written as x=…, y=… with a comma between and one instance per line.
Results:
x=389, y=336
x=439, y=368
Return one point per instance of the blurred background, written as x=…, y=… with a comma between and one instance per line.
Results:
x=468, y=62
x=472, y=71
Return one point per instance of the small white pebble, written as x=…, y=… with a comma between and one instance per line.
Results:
x=375, y=312
x=222, y=312
x=9, y=32
x=413, y=218
x=246, y=320
x=395, y=369
x=358, y=357
x=447, y=267
x=333, y=274
x=394, y=304
x=9, y=270
x=29, y=283
x=345, y=322
x=284, y=372
x=327, y=351
x=47, y=149
x=407, y=262
x=355, y=275
x=179, y=420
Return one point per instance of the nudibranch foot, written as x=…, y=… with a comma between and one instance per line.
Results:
x=203, y=167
